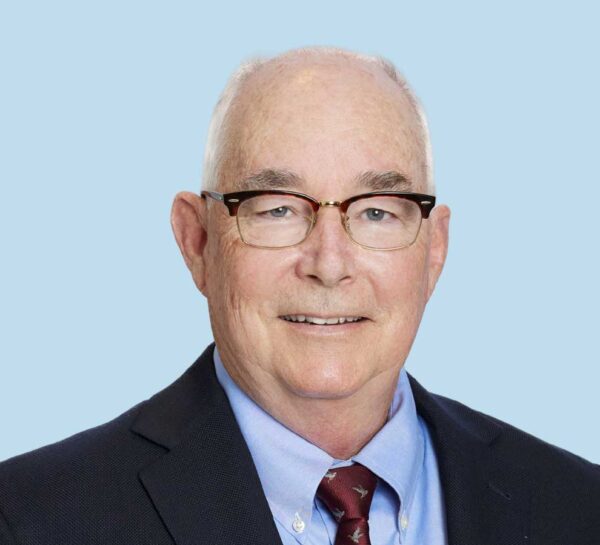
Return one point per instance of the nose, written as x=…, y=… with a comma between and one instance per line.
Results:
x=328, y=254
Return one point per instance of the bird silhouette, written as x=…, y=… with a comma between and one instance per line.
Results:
x=329, y=475
x=363, y=492
x=338, y=513
x=356, y=535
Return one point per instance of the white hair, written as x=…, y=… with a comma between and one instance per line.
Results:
x=218, y=126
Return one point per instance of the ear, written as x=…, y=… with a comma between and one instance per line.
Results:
x=438, y=245
x=188, y=221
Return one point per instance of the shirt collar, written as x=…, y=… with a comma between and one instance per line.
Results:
x=396, y=452
x=290, y=468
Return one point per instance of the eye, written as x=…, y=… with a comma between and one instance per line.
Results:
x=375, y=214
x=278, y=212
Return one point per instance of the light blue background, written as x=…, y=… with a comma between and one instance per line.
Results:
x=104, y=111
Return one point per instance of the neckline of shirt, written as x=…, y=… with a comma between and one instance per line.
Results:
x=290, y=468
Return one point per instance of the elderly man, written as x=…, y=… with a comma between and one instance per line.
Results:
x=317, y=242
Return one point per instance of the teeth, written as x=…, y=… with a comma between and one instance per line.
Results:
x=318, y=321
x=321, y=321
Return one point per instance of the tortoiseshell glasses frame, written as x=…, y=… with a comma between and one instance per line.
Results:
x=234, y=200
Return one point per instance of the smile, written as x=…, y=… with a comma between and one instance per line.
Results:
x=321, y=321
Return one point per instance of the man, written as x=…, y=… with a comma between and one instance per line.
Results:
x=317, y=242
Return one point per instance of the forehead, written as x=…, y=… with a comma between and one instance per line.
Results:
x=367, y=181
x=325, y=122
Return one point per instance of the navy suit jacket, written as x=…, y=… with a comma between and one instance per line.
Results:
x=175, y=469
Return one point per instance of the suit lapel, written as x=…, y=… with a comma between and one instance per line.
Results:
x=486, y=495
x=205, y=487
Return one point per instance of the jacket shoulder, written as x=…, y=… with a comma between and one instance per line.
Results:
x=89, y=475
x=88, y=488
x=550, y=465
x=82, y=445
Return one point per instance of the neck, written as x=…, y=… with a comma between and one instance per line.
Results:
x=339, y=427
x=342, y=426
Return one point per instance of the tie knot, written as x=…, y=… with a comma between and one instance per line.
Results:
x=348, y=491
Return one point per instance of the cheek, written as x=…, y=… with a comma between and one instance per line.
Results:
x=248, y=278
x=401, y=285
x=244, y=281
x=221, y=281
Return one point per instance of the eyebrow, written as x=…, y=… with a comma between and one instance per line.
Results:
x=390, y=180
x=384, y=181
x=270, y=179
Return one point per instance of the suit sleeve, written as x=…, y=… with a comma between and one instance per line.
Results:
x=6, y=537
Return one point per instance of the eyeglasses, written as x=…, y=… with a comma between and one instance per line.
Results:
x=382, y=220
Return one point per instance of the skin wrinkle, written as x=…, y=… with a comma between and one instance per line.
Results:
x=328, y=123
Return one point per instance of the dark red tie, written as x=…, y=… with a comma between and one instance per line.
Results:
x=347, y=492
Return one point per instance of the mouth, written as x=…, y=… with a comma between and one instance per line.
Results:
x=322, y=320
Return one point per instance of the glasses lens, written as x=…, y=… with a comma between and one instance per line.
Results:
x=274, y=220
x=384, y=221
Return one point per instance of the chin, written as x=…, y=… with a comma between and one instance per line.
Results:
x=327, y=382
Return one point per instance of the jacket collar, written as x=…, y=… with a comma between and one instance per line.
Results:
x=206, y=488
x=486, y=492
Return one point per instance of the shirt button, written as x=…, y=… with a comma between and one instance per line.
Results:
x=404, y=522
x=298, y=524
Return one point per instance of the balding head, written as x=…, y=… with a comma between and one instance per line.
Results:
x=316, y=87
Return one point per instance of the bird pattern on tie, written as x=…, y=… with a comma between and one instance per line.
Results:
x=348, y=492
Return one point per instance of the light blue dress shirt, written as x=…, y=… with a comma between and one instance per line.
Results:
x=407, y=506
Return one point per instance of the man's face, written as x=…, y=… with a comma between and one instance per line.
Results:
x=327, y=124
